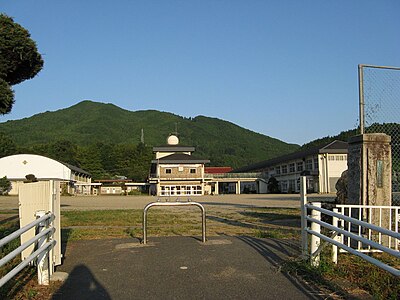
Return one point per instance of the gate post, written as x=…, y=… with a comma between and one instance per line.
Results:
x=315, y=241
x=43, y=263
x=303, y=202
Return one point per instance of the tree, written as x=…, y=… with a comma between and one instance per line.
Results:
x=273, y=185
x=19, y=60
x=64, y=151
x=5, y=186
x=7, y=145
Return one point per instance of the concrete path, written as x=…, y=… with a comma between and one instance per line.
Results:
x=180, y=268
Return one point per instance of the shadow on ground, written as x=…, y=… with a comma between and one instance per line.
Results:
x=89, y=287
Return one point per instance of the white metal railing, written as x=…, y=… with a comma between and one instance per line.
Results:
x=43, y=244
x=387, y=217
x=336, y=239
x=163, y=204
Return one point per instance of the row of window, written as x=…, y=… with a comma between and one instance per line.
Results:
x=180, y=190
x=300, y=166
x=169, y=170
x=337, y=157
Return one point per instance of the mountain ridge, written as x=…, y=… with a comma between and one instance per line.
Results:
x=89, y=122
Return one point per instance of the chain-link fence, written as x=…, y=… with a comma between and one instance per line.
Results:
x=380, y=111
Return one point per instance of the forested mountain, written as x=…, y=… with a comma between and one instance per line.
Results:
x=110, y=137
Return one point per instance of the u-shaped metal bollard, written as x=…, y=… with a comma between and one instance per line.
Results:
x=147, y=207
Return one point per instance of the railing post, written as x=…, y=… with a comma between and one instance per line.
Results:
x=303, y=202
x=145, y=224
x=337, y=238
x=315, y=241
x=43, y=263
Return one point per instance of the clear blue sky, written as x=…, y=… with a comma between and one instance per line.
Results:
x=286, y=69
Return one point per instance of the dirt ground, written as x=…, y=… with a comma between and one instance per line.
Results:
x=139, y=202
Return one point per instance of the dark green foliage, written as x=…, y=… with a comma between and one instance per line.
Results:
x=5, y=186
x=107, y=125
x=6, y=97
x=7, y=145
x=19, y=59
x=273, y=185
x=343, y=136
x=103, y=161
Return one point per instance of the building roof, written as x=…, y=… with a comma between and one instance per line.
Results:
x=180, y=158
x=217, y=170
x=173, y=148
x=333, y=147
x=19, y=165
x=76, y=169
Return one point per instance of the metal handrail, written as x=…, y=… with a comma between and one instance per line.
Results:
x=355, y=221
x=354, y=236
x=44, y=248
x=316, y=233
x=359, y=254
x=25, y=245
x=24, y=229
x=26, y=262
x=148, y=206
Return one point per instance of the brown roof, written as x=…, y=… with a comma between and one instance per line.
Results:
x=180, y=158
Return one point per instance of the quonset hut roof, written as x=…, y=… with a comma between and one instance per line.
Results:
x=18, y=166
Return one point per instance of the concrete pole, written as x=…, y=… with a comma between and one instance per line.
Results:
x=315, y=241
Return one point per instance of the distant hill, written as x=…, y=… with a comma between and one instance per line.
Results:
x=88, y=122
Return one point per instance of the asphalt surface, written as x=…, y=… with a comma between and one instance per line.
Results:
x=180, y=268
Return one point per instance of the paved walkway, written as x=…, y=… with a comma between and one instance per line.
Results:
x=180, y=268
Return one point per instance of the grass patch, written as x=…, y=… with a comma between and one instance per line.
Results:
x=277, y=233
x=351, y=276
x=182, y=221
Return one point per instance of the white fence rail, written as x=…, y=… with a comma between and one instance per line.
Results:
x=387, y=217
x=358, y=231
x=43, y=242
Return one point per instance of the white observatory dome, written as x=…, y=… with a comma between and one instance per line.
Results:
x=173, y=140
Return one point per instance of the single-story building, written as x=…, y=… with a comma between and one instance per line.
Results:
x=73, y=180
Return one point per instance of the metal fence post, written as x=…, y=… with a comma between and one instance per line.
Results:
x=303, y=202
x=315, y=241
x=43, y=264
x=337, y=238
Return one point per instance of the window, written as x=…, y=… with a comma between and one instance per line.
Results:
x=284, y=186
x=192, y=171
x=291, y=168
x=309, y=164
x=331, y=157
x=278, y=170
x=299, y=166
x=284, y=169
x=292, y=186
x=316, y=163
x=168, y=171
x=180, y=169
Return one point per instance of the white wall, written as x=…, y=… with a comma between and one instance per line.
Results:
x=20, y=165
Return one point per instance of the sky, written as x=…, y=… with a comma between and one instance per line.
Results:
x=286, y=69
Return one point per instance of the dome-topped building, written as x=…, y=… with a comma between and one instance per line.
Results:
x=175, y=172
